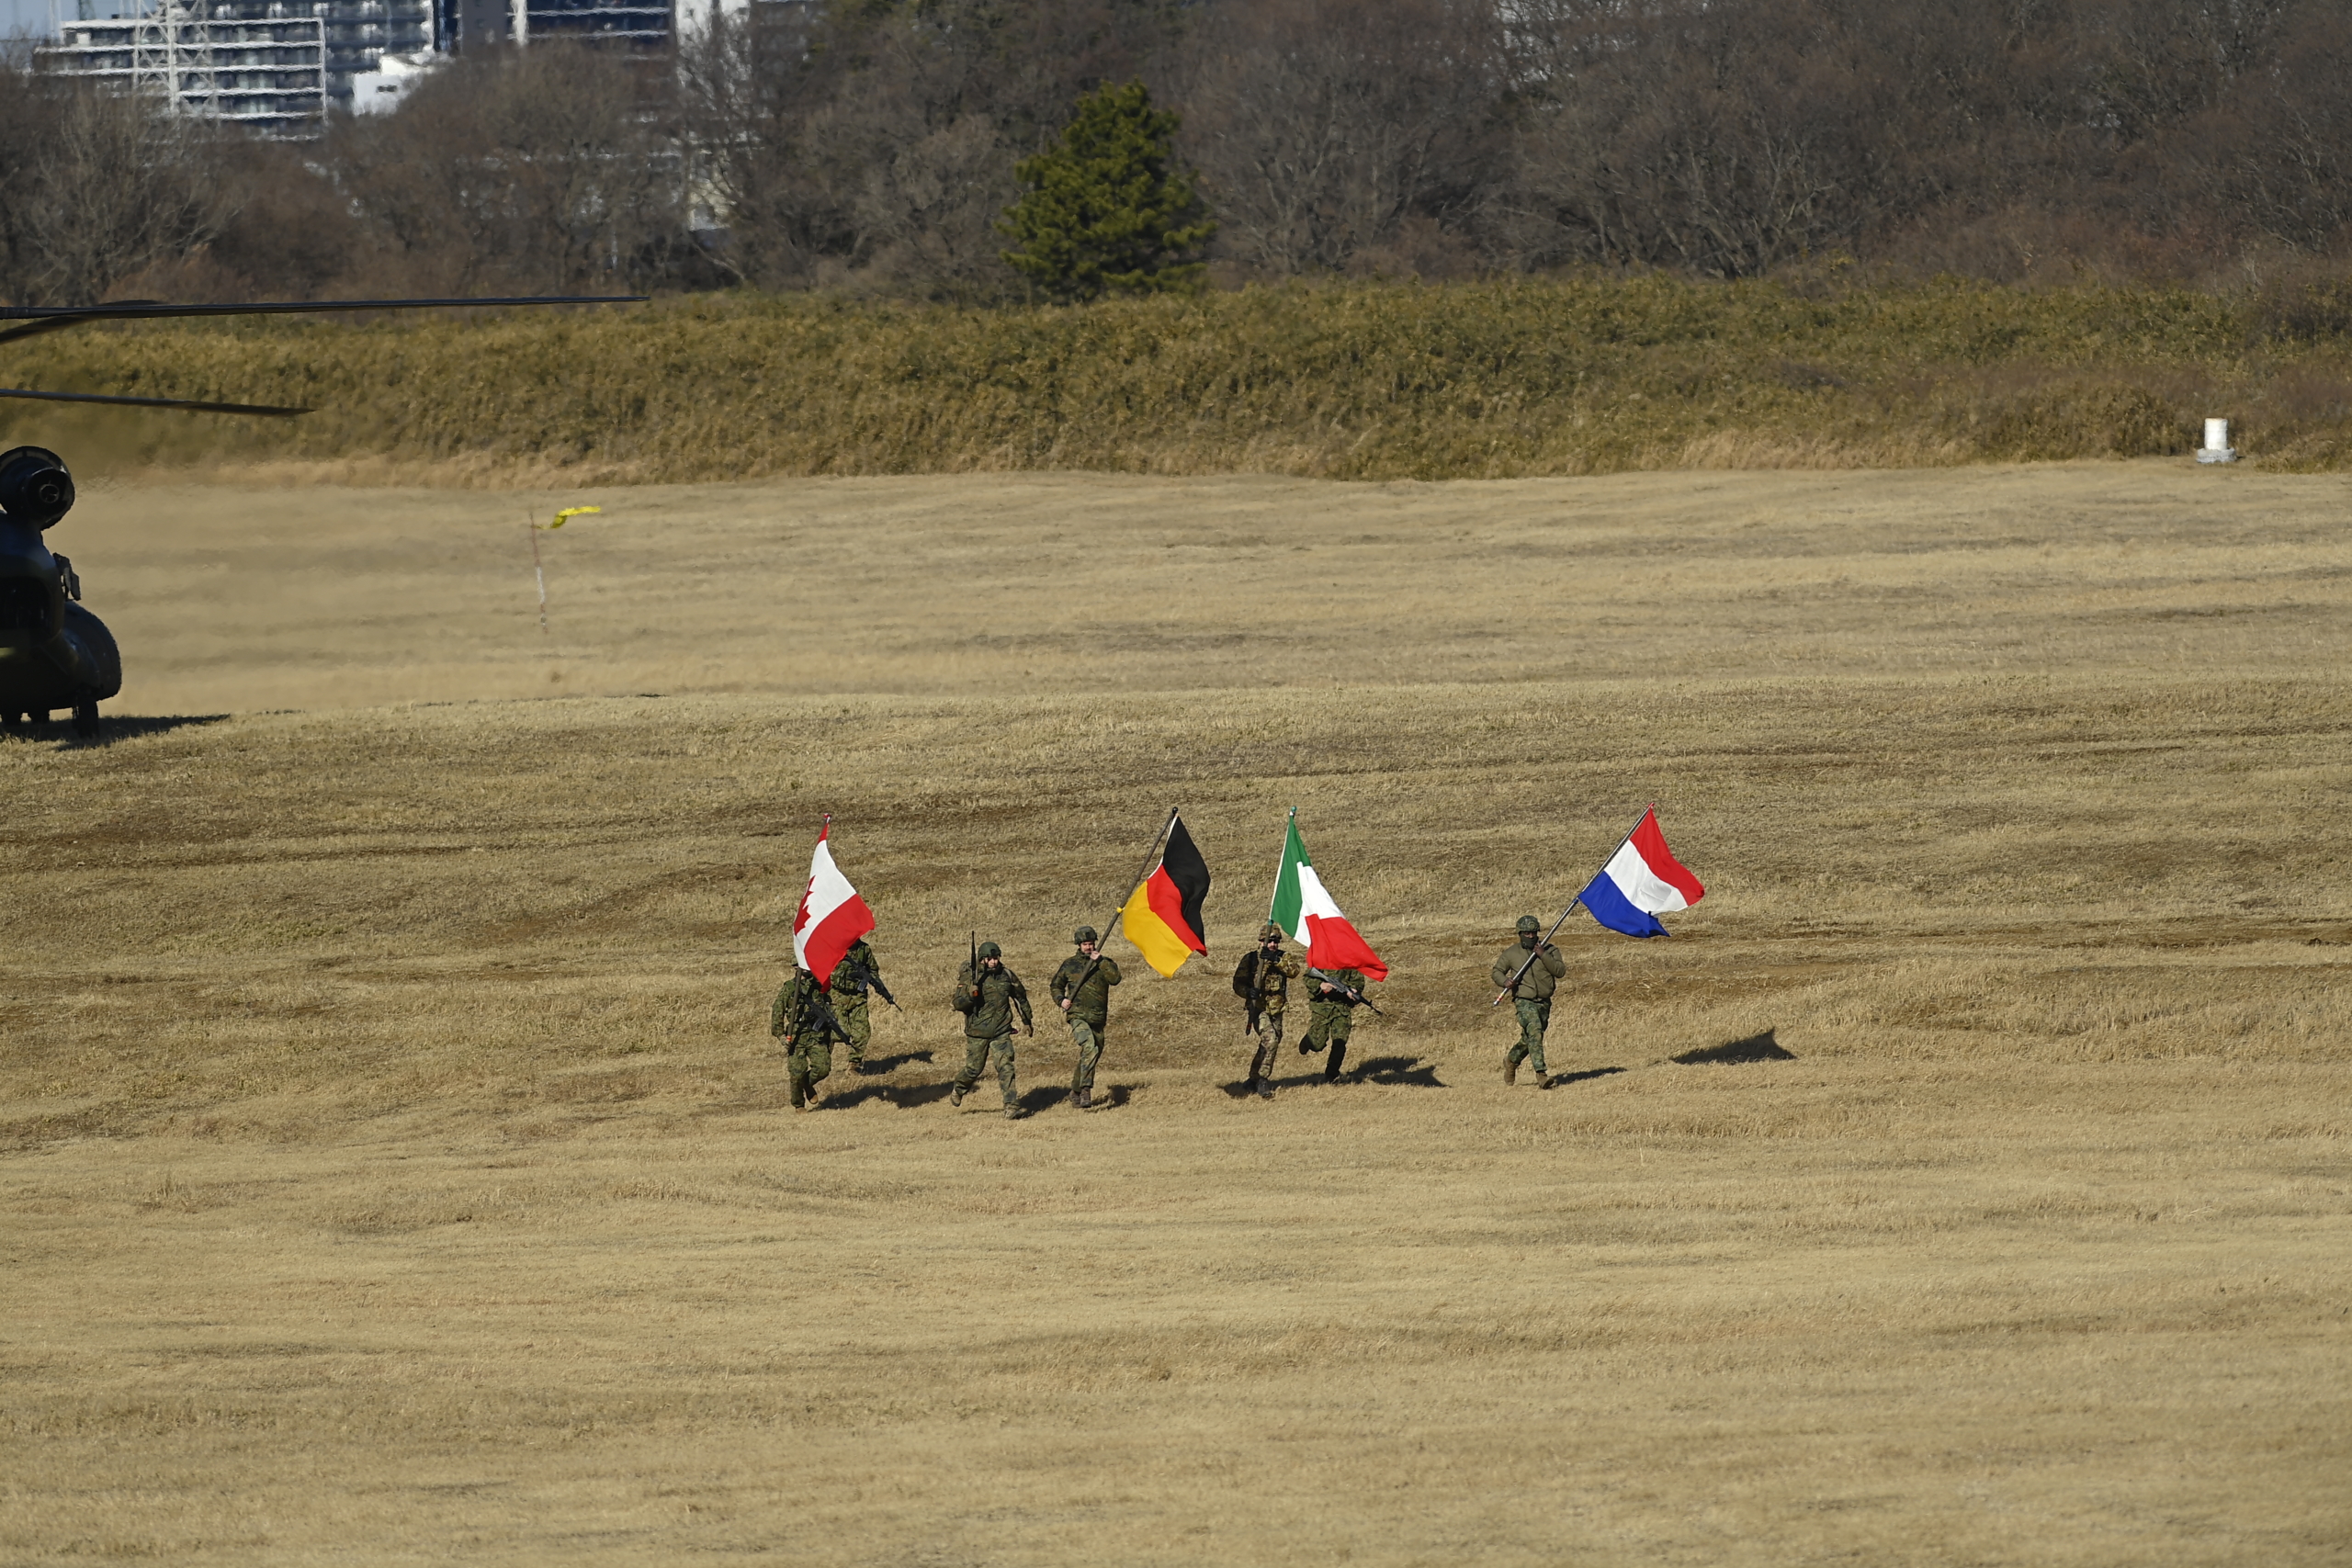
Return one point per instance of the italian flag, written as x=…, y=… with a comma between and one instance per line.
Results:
x=832, y=917
x=1305, y=910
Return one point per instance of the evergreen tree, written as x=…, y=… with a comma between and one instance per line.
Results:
x=1108, y=211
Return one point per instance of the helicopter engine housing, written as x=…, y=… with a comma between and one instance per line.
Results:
x=53, y=653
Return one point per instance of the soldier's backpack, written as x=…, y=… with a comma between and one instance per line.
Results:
x=1245, y=977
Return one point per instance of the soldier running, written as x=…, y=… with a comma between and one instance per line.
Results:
x=853, y=977
x=1331, y=1002
x=804, y=1020
x=987, y=999
x=1081, y=988
x=1262, y=982
x=1531, y=998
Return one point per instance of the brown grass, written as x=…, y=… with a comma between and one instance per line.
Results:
x=1370, y=381
x=395, y=1167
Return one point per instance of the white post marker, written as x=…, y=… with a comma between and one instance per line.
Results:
x=539, y=571
x=2217, y=442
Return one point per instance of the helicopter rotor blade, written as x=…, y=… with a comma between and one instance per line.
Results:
x=38, y=318
x=263, y=409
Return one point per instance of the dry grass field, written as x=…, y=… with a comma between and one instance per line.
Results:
x=393, y=1167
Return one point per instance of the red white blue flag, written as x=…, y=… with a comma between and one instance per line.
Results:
x=1642, y=881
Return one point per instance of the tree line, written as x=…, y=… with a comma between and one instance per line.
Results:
x=877, y=145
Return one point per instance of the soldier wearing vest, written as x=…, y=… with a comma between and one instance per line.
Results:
x=1262, y=982
x=853, y=977
x=1081, y=988
x=989, y=1000
x=805, y=1024
x=1532, y=996
x=1330, y=1017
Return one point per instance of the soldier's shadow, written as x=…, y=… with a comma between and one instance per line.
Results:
x=1396, y=1072
x=902, y=1096
x=1561, y=1080
x=1033, y=1101
x=877, y=1067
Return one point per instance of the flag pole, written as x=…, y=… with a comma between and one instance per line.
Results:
x=1513, y=984
x=1137, y=881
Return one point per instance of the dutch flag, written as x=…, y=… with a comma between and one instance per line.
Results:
x=1642, y=881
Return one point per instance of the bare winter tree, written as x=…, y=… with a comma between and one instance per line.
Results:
x=880, y=137
x=538, y=168
x=104, y=188
x=2277, y=147
x=756, y=106
x=1321, y=126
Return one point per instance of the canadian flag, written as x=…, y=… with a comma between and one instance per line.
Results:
x=832, y=917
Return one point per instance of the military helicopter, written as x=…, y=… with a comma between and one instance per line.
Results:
x=53, y=653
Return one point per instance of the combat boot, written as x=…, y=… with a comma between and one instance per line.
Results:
x=955, y=1095
x=1339, y=1055
x=1510, y=1071
x=1086, y=1099
x=1013, y=1112
x=800, y=1093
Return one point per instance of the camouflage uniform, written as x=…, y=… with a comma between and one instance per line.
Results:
x=1531, y=998
x=1262, y=979
x=1088, y=1008
x=851, y=975
x=1329, y=1019
x=989, y=1005
x=805, y=1025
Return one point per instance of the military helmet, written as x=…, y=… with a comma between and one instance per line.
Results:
x=1271, y=932
x=990, y=950
x=1529, y=923
x=1084, y=934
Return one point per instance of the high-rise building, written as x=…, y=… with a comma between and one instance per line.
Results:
x=279, y=66
x=627, y=23
x=275, y=66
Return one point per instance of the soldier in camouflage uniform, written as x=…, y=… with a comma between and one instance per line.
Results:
x=988, y=1001
x=1082, y=986
x=1262, y=982
x=1532, y=996
x=805, y=1022
x=1330, y=1017
x=855, y=975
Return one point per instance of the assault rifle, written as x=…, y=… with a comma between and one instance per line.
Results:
x=866, y=979
x=1346, y=992
x=1256, y=995
x=815, y=1009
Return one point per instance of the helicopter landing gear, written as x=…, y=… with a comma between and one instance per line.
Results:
x=86, y=719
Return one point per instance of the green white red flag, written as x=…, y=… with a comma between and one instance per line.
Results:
x=1307, y=913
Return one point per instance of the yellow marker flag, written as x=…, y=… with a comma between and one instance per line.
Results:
x=569, y=513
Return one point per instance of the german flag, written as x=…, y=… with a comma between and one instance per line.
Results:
x=1162, y=916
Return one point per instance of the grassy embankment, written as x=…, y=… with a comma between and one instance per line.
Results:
x=1372, y=381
